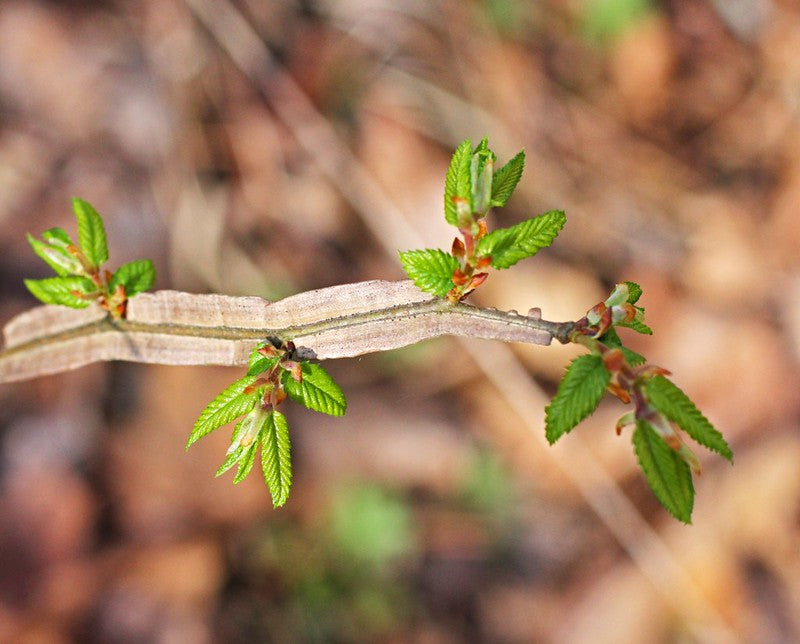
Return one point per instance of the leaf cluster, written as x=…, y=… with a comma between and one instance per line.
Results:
x=274, y=373
x=660, y=405
x=80, y=278
x=472, y=188
x=662, y=413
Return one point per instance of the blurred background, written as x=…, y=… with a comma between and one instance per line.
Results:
x=268, y=147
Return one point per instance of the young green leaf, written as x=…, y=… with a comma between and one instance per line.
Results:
x=91, y=232
x=430, y=269
x=666, y=472
x=231, y=403
x=611, y=339
x=668, y=398
x=316, y=390
x=637, y=324
x=246, y=461
x=634, y=292
x=276, y=462
x=578, y=395
x=230, y=461
x=57, y=237
x=481, y=174
x=506, y=179
x=56, y=257
x=506, y=246
x=245, y=434
x=136, y=276
x=62, y=290
x=482, y=149
x=246, y=430
x=457, y=181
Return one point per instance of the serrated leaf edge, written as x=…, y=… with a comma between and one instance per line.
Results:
x=684, y=413
x=58, y=290
x=459, y=162
x=568, y=388
x=516, y=241
x=310, y=393
x=645, y=436
x=437, y=281
x=276, y=464
x=141, y=278
x=505, y=179
x=226, y=406
x=91, y=232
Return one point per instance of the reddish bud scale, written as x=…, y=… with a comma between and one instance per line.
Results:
x=616, y=390
x=614, y=360
x=469, y=244
x=483, y=262
x=650, y=371
x=458, y=250
x=460, y=278
x=599, y=308
x=251, y=388
x=73, y=250
x=479, y=279
x=277, y=396
x=630, y=312
x=268, y=351
x=295, y=369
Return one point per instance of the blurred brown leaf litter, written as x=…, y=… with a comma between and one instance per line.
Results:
x=431, y=512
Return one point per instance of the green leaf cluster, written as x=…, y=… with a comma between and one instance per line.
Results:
x=471, y=179
x=472, y=188
x=80, y=279
x=261, y=425
x=665, y=466
x=666, y=461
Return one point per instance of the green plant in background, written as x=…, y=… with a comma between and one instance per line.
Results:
x=344, y=574
x=661, y=413
x=603, y=21
x=80, y=277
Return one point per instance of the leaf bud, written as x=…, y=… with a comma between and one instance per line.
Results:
x=618, y=296
x=458, y=250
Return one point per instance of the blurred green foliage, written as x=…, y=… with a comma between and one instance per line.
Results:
x=371, y=526
x=344, y=577
x=605, y=20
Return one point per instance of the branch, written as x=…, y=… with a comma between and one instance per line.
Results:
x=176, y=328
